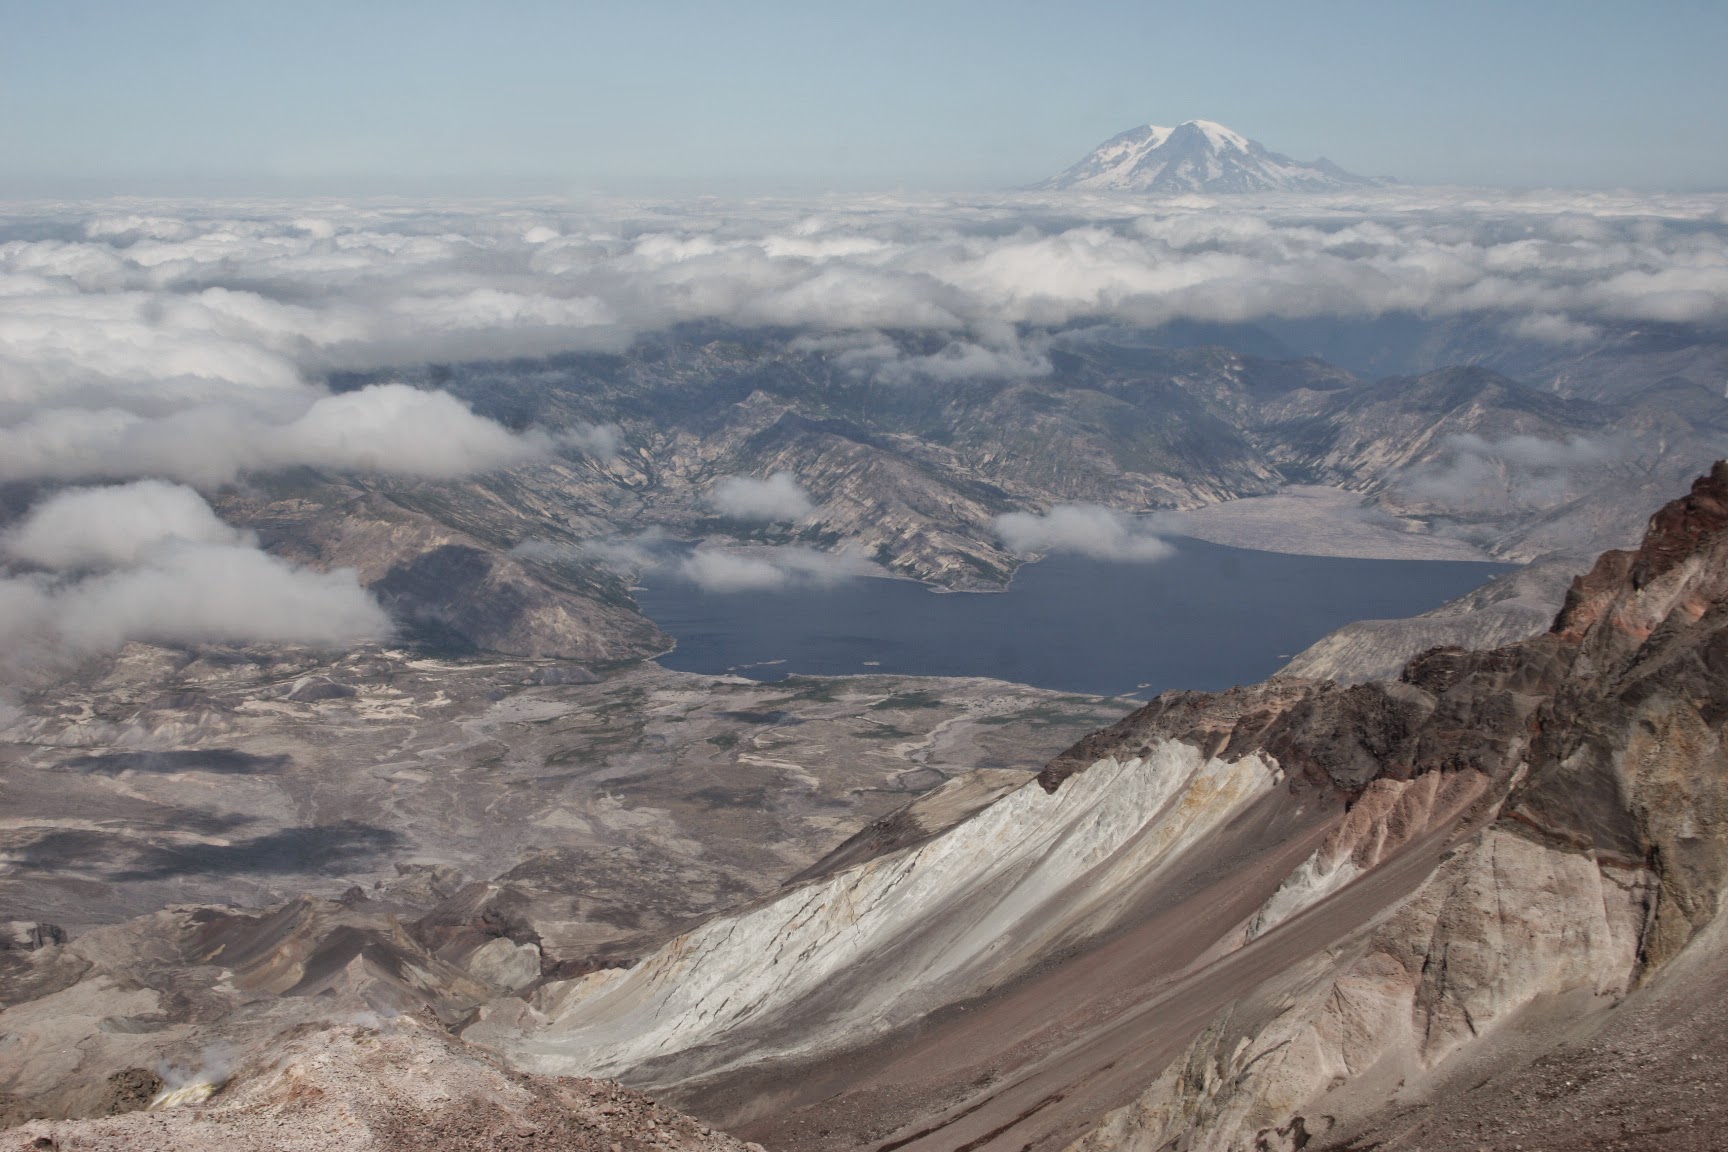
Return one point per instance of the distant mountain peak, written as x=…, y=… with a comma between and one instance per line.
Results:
x=1217, y=135
x=1197, y=156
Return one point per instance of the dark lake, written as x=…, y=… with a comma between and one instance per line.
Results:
x=1207, y=617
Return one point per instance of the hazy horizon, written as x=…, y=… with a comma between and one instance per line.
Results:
x=674, y=99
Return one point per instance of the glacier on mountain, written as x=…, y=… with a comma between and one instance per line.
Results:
x=1197, y=156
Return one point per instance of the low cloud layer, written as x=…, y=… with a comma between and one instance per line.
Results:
x=778, y=498
x=113, y=527
x=382, y=428
x=144, y=338
x=754, y=569
x=90, y=569
x=1081, y=530
x=627, y=555
x=1519, y=472
x=711, y=567
x=192, y=342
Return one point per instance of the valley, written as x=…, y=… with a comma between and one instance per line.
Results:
x=912, y=481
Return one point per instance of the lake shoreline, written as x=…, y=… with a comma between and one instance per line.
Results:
x=1207, y=617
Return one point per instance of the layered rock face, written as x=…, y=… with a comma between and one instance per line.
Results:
x=957, y=915
x=1287, y=916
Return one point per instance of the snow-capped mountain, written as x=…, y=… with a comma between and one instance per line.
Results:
x=1197, y=156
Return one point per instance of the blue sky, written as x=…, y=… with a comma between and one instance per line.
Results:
x=676, y=98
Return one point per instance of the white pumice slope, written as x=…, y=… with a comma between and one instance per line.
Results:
x=876, y=945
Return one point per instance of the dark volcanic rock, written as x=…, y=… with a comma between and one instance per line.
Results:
x=29, y=935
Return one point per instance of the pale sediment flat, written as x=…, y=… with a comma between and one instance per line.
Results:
x=1317, y=520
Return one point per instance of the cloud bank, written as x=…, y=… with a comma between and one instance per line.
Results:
x=1081, y=530
x=599, y=441
x=627, y=555
x=160, y=309
x=90, y=569
x=113, y=527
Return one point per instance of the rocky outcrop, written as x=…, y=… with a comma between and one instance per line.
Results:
x=931, y=814
x=143, y=995
x=386, y=1085
x=1604, y=861
x=1504, y=924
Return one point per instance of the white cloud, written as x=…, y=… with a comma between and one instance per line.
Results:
x=214, y=592
x=716, y=571
x=600, y=441
x=629, y=556
x=1081, y=529
x=1481, y=475
x=395, y=428
x=113, y=527
x=1558, y=330
x=777, y=498
x=711, y=567
x=381, y=428
x=753, y=569
x=151, y=561
x=1006, y=359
